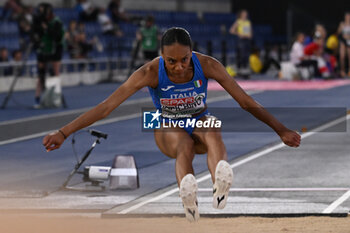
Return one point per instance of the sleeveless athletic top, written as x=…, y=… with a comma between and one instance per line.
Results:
x=346, y=30
x=182, y=100
x=243, y=27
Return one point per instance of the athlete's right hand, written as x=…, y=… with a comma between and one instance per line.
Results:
x=53, y=141
x=290, y=138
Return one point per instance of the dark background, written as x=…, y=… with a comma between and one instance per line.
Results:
x=305, y=13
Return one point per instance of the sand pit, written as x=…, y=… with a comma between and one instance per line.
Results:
x=69, y=224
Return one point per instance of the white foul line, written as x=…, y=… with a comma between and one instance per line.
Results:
x=157, y=198
x=201, y=179
x=241, y=162
x=278, y=189
x=325, y=126
x=336, y=203
x=344, y=197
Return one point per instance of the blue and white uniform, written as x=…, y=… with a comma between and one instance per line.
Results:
x=180, y=101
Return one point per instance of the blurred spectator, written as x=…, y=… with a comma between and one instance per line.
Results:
x=242, y=27
x=72, y=31
x=299, y=58
x=344, y=47
x=17, y=55
x=107, y=25
x=332, y=44
x=12, y=9
x=4, y=58
x=78, y=46
x=25, y=21
x=149, y=37
x=320, y=32
x=261, y=67
x=316, y=50
x=85, y=46
x=324, y=56
x=81, y=27
x=73, y=46
x=71, y=34
x=81, y=47
x=86, y=11
x=4, y=54
x=117, y=12
x=48, y=35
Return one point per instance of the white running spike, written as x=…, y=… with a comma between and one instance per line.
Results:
x=188, y=194
x=223, y=182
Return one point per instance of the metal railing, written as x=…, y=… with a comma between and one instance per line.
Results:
x=109, y=64
x=67, y=66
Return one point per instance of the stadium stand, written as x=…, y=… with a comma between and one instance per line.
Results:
x=208, y=29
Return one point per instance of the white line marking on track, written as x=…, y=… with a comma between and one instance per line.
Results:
x=227, y=97
x=278, y=189
x=102, y=122
x=13, y=140
x=336, y=203
x=325, y=126
x=115, y=119
x=107, y=121
x=157, y=198
x=64, y=113
x=129, y=102
x=239, y=163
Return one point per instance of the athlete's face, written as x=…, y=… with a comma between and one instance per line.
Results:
x=177, y=59
x=244, y=15
x=347, y=17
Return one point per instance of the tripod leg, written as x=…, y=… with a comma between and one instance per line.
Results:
x=134, y=57
x=8, y=96
x=13, y=84
x=77, y=166
x=64, y=103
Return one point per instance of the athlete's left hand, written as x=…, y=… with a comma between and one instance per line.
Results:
x=290, y=138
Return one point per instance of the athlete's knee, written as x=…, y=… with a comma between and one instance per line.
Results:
x=211, y=136
x=185, y=147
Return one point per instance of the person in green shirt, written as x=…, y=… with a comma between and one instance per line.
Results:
x=149, y=37
x=48, y=37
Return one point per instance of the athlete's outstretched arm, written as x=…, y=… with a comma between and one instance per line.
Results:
x=215, y=70
x=139, y=79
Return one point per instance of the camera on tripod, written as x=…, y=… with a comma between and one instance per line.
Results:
x=123, y=173
x=96, y=174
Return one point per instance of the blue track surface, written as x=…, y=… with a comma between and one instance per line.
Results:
x=76, y=97
x=36, y=169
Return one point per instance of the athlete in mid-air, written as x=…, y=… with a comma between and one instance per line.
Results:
x=177, y=81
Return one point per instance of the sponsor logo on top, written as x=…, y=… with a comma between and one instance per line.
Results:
x=167, y=88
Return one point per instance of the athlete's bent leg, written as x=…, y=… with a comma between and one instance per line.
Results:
x=212, y=141
x=221, y=172
x=178, y=144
